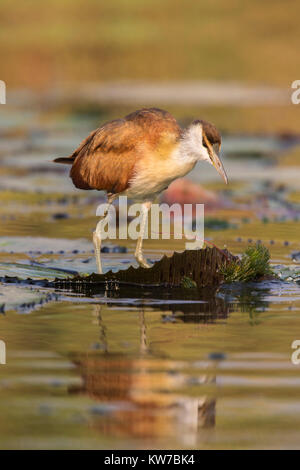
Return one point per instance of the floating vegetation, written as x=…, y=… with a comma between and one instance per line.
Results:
x=295, y=256
x=22, y=300
x=254, y=265
x=188, y=283
x=192, y=268
x=288, y=273
x=34, y=271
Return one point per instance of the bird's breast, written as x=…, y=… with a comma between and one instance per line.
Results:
x=153, y=175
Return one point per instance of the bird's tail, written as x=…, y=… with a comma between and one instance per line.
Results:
x=66, y=160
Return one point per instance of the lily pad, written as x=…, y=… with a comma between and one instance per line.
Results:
x=288, y=273
x=35, y=271
x=203, y=267
x=22, y=300
x=43, y=245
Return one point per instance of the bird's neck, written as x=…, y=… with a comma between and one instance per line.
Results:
x=188, y=150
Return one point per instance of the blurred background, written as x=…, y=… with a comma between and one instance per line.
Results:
x=240, y=58
x=137, y=369
x=69, y=66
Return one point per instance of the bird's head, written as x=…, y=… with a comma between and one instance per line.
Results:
x=203, y=140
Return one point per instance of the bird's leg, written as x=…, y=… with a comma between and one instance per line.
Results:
x=97, y=243
x=138, y=251
x=143, y=333
x=97, y=236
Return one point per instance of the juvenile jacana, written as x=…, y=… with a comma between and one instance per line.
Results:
x=139, y=156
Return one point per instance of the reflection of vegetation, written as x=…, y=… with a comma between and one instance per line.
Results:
x=188, y=283
x=250, y=300
x=254, y=265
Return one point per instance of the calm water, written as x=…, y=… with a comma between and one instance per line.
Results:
x=142, y=369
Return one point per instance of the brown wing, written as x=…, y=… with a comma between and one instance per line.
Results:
x=106, y=159
x=82, y=147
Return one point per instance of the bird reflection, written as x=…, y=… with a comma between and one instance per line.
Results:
x=150, y=396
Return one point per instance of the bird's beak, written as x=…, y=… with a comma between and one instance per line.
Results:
x=215, y=159
x=216, y=162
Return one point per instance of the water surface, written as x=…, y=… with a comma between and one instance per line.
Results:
x=143, y=368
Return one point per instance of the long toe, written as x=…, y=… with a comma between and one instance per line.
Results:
x=142, y=262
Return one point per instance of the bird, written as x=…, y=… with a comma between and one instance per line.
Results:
x=138, y=156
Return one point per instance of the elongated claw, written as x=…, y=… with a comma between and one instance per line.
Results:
x=142, y=262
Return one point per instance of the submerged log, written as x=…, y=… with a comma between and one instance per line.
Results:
x=192, y=268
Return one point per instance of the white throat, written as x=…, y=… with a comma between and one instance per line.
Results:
x=191, y=148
